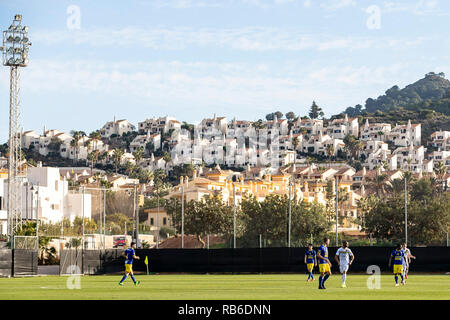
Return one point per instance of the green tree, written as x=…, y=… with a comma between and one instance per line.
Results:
x=139, y=154
x=330, y=152
x=315, y=111
x=95, y=136
x=93, y=159
x=290, y=115
x=117, y=158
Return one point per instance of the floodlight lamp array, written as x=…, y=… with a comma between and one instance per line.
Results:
x=16, y=44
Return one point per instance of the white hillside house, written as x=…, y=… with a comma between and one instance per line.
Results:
x=375, y=131
x=340, y=128
x=117, y=127
x=406, y=135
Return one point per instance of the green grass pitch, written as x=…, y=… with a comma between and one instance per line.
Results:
x=225, y=286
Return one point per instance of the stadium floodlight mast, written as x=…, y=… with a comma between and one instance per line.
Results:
x=14, y=55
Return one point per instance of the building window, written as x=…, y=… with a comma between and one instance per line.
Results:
x=152, y=222
x=164, y=221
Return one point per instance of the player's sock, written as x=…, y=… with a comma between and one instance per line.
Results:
x=320, y=281
x=325, y=279
x=312, y=276
x=344, y=277
x=396, y=279
x=123, y=279
x=134, y=280
x=402, y=277
x=309, y=275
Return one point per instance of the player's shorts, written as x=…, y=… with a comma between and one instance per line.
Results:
x=128, y=268
x=343, y=267
x=310, y=266
x=324, y=268
x=398, y=268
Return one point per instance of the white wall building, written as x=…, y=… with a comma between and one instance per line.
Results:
x=340, y=128
x=159, y=125
x=118, y=127
x=50, y=201
x=405, y=135
x=375, y=131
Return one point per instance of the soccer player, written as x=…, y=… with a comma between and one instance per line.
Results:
x=344, y=258
x=407, y=260
x=398, y=255
x=129, y=255
x=324, y=263
x=310, y=261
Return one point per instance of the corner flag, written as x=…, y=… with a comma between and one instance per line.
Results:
x=146, y=263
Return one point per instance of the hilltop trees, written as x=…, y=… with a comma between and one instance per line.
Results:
x=268, y=218
x=428, y=214
x=315, y=111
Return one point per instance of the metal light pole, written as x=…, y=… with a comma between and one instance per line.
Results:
x=37, y=215
x=182, y=217
x=157, y=219
x=234, y=216
x=136, y=212
x=15, y=54
x=337, y=209
x=104, y=219
x=406, y=213
x=82, y=223
x=290, y=214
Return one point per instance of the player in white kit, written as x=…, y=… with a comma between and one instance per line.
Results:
x=344, y=257
x=406, y=261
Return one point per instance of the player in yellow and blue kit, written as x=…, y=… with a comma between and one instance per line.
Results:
x=398, y=255
x=310, y=261
x=324, y=263
x=129, y=255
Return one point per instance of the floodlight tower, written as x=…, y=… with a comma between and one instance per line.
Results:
x=15, y=54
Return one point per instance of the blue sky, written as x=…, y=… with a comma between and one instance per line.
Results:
x=192, y=58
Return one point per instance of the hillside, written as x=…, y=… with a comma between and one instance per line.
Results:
x=426, y=101
x=432, y=92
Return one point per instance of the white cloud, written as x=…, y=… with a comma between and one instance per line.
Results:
x=209, y=85
x=185, y=4
x=257, y=39
x=418, y=7
x=332, y=5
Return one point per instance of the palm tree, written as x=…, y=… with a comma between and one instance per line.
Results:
x=77, y=135
x=87, y=145
x=440, y=171
x=117, y=157
x=354, y=146
x=295, y=142
x=330, y=152
x=93, y=158
x=129, y=167
x=379, y=183
x=358, y=146
x=303, y=131
x=146, y=176
x=95, y=137
x=139, y=154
